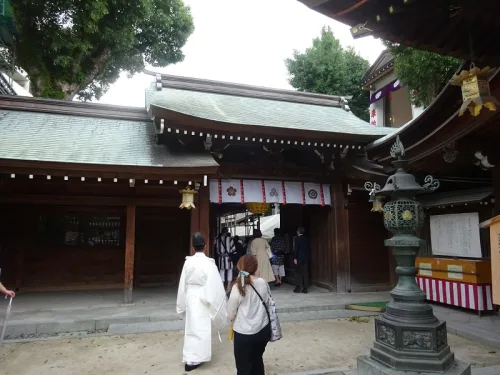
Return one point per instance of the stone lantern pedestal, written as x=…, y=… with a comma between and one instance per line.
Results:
x=409, y=339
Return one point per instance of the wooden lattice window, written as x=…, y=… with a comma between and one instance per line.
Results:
x=80, y=231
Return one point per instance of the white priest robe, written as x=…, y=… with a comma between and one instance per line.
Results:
x=202, y=299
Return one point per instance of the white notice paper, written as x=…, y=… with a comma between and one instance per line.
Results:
x=456, y=235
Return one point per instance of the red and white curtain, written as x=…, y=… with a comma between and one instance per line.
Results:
x=467, y=295
x=267, y=191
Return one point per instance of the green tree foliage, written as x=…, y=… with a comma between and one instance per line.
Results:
x=425, y=73
x=327, y=68
x=74, y=48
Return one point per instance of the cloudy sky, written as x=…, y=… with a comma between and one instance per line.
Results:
x=244, y=42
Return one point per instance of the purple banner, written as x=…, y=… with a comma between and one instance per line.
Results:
x=384, y=91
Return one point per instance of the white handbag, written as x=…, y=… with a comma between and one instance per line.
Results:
x=274, y=322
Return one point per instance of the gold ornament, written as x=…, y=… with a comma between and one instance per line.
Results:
x=257, y=208
x=388, y=215
x=188, y=198
x=378, y=205
x=407, y=215
x=476, y=92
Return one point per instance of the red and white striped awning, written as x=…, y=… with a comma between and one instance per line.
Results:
x=267, y=191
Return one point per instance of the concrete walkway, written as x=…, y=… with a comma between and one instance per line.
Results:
x=40, y=314
x=95, y=311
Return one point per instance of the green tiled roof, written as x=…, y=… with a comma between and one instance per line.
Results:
x=87, y=140
x=233, y=109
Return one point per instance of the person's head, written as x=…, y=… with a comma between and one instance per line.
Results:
x=224, y=230
x=198, y=242
x=247, y=265
x=236, y=238
x=277, y=231
x=300, y=231
x=257, y=233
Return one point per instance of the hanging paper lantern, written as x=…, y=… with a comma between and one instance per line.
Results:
x=475, y=90
x=257, y=208
x=188, y=198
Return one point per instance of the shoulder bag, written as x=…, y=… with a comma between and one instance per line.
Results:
x=274, y=323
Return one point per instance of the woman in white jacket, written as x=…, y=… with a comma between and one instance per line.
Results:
x=249, y=316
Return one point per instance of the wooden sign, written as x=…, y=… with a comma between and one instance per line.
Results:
x=494, y=225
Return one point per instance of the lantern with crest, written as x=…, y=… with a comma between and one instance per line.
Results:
x=475, y=90
x=188, y=197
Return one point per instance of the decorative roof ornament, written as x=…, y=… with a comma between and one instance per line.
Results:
x=430, y=183
x=476, y=92
x=397, y=149
x=450, y=153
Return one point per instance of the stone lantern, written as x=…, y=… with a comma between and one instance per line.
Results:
x=408, y=337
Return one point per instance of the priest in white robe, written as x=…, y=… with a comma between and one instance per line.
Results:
x=202, y=300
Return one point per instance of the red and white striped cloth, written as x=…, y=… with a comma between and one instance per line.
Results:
x=470, y=296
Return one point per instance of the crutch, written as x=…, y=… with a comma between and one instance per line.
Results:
x=7, y=313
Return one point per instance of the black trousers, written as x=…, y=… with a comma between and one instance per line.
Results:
x=248, y=352
x=302, y=275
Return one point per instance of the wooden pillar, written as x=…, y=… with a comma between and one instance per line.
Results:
x=200, y=218
x=129, y=254
x=341, y=238
x=204, y=208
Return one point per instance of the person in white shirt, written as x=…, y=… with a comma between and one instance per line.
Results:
x=249, y=317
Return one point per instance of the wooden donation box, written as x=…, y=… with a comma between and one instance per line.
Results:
x=494, y=225
x=464, y=283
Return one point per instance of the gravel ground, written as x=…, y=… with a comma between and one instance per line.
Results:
x=306, y=345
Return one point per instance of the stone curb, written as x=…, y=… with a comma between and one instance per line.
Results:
x=17, y=330
x=475, y=334
x=335, y=370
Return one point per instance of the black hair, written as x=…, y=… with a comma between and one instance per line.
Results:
x=224, y=230
x=257, y=233
x=301, y=230
x=277, y=231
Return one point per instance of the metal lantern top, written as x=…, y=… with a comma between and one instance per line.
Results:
x=400, y=183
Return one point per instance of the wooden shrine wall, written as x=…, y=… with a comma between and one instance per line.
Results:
x=162, y=244
x=370, y=261
x=30, y=263
x=57, y=235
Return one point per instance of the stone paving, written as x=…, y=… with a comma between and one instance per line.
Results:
x=40, y=314
x=95, y=311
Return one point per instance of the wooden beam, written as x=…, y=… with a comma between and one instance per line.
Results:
x=85, y=200
x=129, y=255
x=30, y=167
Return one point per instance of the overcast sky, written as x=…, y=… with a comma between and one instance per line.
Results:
x=243, y=41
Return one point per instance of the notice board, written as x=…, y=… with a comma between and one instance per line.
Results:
x=456, y=235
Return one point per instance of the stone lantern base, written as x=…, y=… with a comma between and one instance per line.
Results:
x=368, y=366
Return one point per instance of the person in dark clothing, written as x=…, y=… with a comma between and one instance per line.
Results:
x=239, y=252
x=302, y=258
x=278, y=248
x=240, y=248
